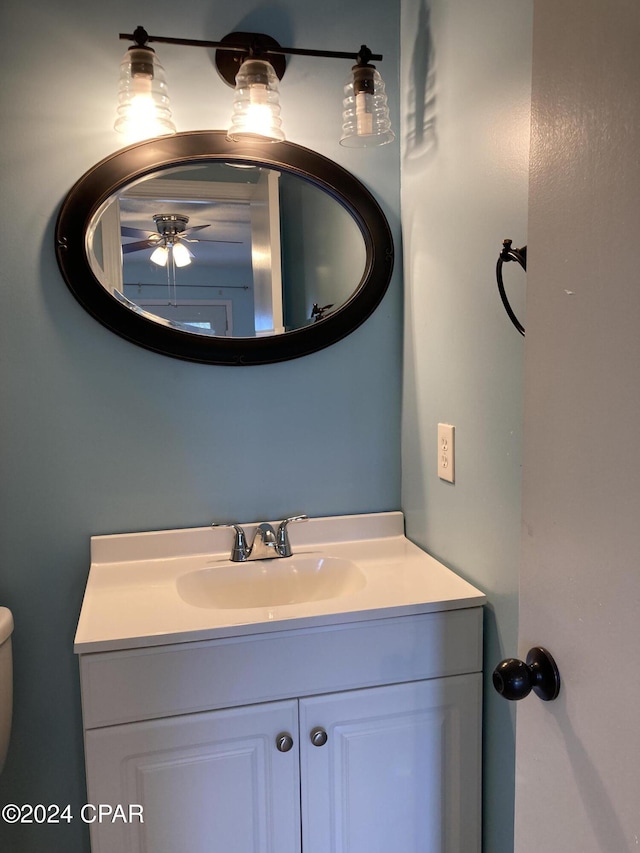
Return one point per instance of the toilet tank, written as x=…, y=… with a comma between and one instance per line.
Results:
x=6, y=681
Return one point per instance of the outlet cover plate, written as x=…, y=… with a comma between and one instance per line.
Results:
x=446, y=452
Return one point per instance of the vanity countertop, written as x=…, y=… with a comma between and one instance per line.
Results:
x=132, y=597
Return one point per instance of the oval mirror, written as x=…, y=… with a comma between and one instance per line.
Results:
x=206, y=250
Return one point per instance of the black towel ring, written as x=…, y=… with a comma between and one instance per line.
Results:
x=509, y=254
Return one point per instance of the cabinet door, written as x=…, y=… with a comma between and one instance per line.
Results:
x=400, y=769
x=211, y=782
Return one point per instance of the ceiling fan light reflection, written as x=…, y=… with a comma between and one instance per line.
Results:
x=159, y=256
x=181, y=255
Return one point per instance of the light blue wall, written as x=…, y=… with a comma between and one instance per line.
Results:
x=466, y=71
x=320, y=237
x=100, y=436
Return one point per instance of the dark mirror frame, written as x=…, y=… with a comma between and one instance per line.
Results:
x=145, y=158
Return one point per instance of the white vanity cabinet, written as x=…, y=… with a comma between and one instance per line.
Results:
x=190, y=731
x=399, y=771
x=207, y=782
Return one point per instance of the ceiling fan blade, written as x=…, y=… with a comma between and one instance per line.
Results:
x=195, y=228
x=200, y=240
x=137, y=247
x=126, y=231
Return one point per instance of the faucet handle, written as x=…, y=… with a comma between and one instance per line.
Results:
x=239, y=551
x=283, y=544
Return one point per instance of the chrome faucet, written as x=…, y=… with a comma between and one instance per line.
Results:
x=267, y=542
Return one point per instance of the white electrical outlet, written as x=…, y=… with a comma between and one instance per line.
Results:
x=446, y=453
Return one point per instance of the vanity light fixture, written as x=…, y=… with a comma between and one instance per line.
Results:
x=256, y=105
x=143, y=100
x=365, y=115
x=252, y=63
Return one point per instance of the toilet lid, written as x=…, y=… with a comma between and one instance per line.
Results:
x=6, y=623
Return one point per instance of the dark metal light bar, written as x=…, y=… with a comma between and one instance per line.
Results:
x=141, y=37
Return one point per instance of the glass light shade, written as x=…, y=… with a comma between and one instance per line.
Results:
x=365, y=112
x=181, y=255
x=143, y=100
x=160, y=256
x=256, y=105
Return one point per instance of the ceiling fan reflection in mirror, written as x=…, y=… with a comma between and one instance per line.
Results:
x=168, y=241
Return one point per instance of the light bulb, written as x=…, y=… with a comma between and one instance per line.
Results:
x=181, y=255
x=364, y=113
x=159, y=256
x=258, y=115
x=143, y=100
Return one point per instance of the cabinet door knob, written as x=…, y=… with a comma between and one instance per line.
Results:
x=318, y=736
x=515, y=679
x=284, y=742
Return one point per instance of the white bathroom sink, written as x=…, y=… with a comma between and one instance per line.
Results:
x=174, y=586
x=270, y=583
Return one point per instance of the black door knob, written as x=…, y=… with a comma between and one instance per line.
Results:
x=515, y=679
